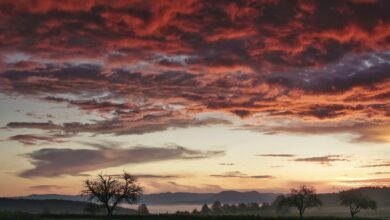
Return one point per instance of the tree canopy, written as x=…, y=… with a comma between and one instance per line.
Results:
x=301, y=198
x=356, y=201
x=112, y=190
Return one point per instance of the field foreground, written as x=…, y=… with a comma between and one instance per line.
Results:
x=25, y=216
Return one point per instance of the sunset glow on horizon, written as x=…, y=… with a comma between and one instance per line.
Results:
x=194, y=95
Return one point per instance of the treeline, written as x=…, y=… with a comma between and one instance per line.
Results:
x=110, y=191
x=217, y=208
x=301, y=199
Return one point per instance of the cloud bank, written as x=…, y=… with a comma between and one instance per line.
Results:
x=147, y=66
x=52, y=162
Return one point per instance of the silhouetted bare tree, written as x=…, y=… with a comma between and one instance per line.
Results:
x=356, y=201
x=112, y=190
x=301, y=198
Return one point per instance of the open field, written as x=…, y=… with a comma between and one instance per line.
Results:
x=337, y=211
x=381, y=212
x=314, y=213
x=25, y=216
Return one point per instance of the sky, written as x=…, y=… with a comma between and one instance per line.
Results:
x=195, y=95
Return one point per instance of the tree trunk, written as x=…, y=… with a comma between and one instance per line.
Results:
x=109, y=213
x=300, y=213
x=109, y=210
x=351, y=211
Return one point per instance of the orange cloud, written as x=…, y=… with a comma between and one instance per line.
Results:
x=161, y=63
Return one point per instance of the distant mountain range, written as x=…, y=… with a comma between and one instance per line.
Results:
x=380, y=194
x=79, y=198
x=179, y=197
x=53, y=203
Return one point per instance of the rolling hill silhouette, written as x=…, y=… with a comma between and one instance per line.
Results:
x=55, y=203
x=181, y=197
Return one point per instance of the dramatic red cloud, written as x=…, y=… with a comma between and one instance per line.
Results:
x=307, y=66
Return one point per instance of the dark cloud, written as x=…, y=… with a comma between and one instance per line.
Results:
x=238, y=174
x=386, y=164
x=34, y=125
x=51, y=162
x=148, y=176
x=360, y=132
x=148, y=66
x=241, y=113
x=380, y=173
x=117, y=126
x=172, y=186
x=371, y=181
x=227, y=164
x=354, y=70
x=325, y=160
x=31, y=139
x=46, y=187
x=276, y=155
x=152, y=176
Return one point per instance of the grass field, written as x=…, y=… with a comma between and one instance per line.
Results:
x=323, y=213
x=338, y=211
x=24, y=216
x=381, y=212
